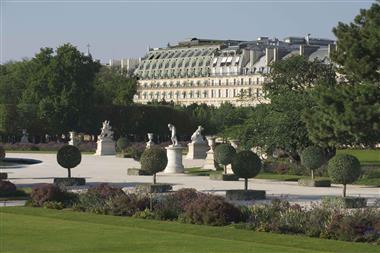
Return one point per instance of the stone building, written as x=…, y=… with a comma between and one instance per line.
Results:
x=217, y=71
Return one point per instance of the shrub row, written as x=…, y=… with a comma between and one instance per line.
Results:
x=190, y=206
x=360, y=225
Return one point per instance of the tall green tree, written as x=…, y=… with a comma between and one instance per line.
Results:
x=114, y=88
x=59, y=91
x=345, y=115
x=358, y=46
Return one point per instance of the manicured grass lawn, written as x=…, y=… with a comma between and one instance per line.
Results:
x=43, y=152
x=40, y=230
x=365, y=156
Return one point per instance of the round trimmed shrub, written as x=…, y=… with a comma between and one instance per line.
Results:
x=122, y=144
x=223, y=154
x=312, y=158
x=344, y=169
x=153, y=160
x=7, y=189
x=246, y=164
x=69, y=157
x=2, y=153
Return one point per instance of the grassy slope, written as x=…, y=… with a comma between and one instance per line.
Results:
x=39, y=230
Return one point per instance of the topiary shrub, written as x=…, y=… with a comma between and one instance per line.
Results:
x=46, y=192
x=211, y=210
x=7, y=189
x=246, y=164
x=2, y=153
x=344, y=169
x=154, y=160
x=223, y=154
x=122, y=144
x=69, y=157
x=312, y=158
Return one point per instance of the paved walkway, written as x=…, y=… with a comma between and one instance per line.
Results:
x=111, y=169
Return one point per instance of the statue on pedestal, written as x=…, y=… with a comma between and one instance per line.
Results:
x=197, y=147
x=105, y=143
x=24, y=138
x=173, y=136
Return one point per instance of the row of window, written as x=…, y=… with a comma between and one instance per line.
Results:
x=214, y=93
x=219, y=82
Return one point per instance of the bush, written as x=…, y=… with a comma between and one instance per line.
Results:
x=46, y=192
x=7, y=189
x=154, y=160
x=106, y=191
x=69, y=181
x=2, y=153
x=169, y=207
x=211, y=210
x=223, y=154
x=312, y=158
x=127, y=204
x=122, y=144
x=246, y=164
x=135, y=151
x=344, y=169
x=361, y=225
x=53, y=205
x=69, y=157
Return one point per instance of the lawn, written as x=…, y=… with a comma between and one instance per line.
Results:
x=365, y=156
x=40, y=230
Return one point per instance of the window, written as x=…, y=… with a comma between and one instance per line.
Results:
x=226, y=81
x=212, y=82
x=220, y=82
x=212, y=93
x=234, y=81
x=219, y=93
x=257, y=80
x=227, y=93
x=242, y=81
x=234, y=92
x=250, y=81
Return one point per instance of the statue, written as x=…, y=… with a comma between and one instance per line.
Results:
x=106, y=132
x=73, y=139
x=24, y=138
x=197, y=135
x=173, y=135
x=105, y=143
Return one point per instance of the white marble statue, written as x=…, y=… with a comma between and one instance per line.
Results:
x=74, y=141
x=106, y=131
x=105, y=143
x=197, y=136
x=24, y=138
x=173, y=136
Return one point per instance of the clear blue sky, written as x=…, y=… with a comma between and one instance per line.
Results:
x=125, y=29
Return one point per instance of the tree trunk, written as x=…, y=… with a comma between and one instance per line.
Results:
x=154, y=178
x=225, y=169
x=312, y=174
x=69, y=170
x=245, y=184
x=344, y=190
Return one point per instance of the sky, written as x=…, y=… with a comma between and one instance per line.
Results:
x=118, y=29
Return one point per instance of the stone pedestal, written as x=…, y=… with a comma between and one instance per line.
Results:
x=197, y=150
x=175, y=164
x=209, y=163
x=105, y=147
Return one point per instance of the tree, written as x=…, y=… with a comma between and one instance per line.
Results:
x=223, y=154
x=246, y=164
x=345, y=115
x=344, y=169
x=279, y=124
x=358, y=46
x=69, y=157
x=154, y=160
x=114, y=88
x=312, y=158
x=59, y=90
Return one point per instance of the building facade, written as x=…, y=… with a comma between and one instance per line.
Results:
x=218, y=71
